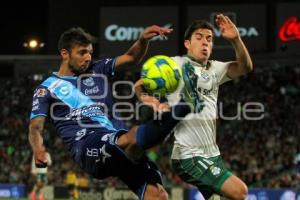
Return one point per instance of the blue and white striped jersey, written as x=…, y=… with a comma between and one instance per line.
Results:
x=77, y=105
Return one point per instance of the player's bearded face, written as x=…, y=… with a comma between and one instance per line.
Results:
x=80, y=58
x=200, y=45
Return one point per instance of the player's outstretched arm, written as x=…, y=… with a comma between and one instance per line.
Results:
x=243, y=63
x=36, y=128
x=137, y=51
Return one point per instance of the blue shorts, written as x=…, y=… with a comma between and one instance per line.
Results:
x=98, y=155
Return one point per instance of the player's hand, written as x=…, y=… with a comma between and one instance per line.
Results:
x=163, y=107
x=228, y=29
x=148, y=99
x=155, y=30
x=41, y=158
x=154, y=103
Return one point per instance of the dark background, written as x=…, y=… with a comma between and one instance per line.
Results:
x=47, y=19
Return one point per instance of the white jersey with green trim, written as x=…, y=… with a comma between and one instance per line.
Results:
x=195, y=135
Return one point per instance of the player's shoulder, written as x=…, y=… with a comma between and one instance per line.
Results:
x=98, y=66
x=103, y=61
x=42, y=90
x=179, y=59
x=218, y=64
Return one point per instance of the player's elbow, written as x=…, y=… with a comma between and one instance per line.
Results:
x=249, y=67
x=164, y=196
x=245, y=69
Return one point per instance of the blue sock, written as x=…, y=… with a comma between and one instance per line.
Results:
x=155, y=131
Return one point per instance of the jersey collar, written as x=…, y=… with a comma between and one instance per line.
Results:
x=195, y=63
x=66, y=77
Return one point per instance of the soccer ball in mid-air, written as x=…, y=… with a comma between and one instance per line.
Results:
x=161, y=75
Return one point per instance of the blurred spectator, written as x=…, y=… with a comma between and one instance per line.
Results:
x=71, y=181
x=83, y=182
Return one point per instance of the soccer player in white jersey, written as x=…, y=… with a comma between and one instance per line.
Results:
x=196, y=157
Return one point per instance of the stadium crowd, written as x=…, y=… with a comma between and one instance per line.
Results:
x=254, y=149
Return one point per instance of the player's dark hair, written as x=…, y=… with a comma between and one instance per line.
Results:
x=196, y=25
x=75, y=36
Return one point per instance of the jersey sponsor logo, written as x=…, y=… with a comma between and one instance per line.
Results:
x=204, y=91
x=100, y=153
x=80, y=105
x=40, y=92
x=93, y=90
x=86, y=111
x=89, y=82
x=35, y=102
x=34, y=108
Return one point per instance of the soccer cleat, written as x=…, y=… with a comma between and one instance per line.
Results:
x=41, y=197
x=32, y=196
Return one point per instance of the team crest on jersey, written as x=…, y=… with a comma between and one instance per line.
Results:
x=41, y=92
x=89, y=82
x=205, y=76
x=215, y=170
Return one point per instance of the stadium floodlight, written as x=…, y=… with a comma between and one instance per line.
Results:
x=33, y=44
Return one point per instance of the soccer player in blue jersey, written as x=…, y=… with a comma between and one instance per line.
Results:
x=79, y=101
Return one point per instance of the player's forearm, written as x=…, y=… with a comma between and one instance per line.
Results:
x=35, y=138
x=137, y=51
x=138, y=88
x=243, y=58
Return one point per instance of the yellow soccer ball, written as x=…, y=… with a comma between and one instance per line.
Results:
x=161, y=75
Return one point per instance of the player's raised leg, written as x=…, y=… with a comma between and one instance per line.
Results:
x=147, y=135
x=234, y=188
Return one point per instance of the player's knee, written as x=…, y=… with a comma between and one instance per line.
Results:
x=163, y=195
x=156, y=192
x=127, y=139
x=160, y=195
x=241, y=192
x=127, y=142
